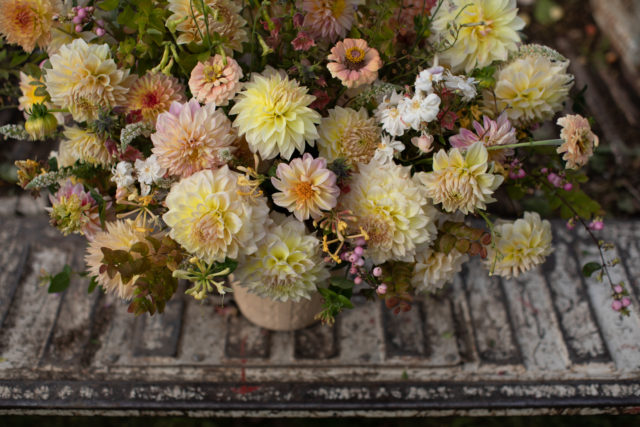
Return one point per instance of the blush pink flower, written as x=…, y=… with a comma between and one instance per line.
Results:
x=153, y=94
x=354, y=62
x=190, y=138
x=579, y=140
x=214, y=82
x=491, y=133
x=305, y=187
x=303, y=42
x=73, y=210
x=329, y=19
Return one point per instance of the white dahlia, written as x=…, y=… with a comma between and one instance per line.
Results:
x=392, y=210
x=84, y=78
x=211, y=218
x=287, y=265
x=519, y=246
x=488, y=31
x=274, y=115
x=435, y=269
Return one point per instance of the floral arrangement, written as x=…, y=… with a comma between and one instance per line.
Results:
x=293, y=147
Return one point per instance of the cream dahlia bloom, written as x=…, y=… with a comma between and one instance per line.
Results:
x=190, y=138
x=305, y=187
x=119, y=235
x=212, y=219
x=393, y=211
x=435, y=269
x=84, y=78
x=579, y=140
x=214, y=82
x=224, y=21
x=274, y=115
x=287, y=265
x=329, y=19
x=461, y=182
x=83, y=145
x=530, y=89
x=519, y=246
x=153, y=94
x=354, y=63
x=348, y=134
x=488, y=32
x=28, y=22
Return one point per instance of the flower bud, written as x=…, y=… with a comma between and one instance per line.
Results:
x=40, y=123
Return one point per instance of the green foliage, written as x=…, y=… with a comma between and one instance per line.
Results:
x=337, y=297
x=60, y=282
x=591, y=267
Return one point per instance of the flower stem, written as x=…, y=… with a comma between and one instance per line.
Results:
x=528, y=144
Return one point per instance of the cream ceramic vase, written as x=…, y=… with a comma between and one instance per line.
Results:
x=276, y=315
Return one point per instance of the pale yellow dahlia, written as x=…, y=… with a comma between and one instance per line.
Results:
x=83, y=145
x=213, y=81
x=329, y=19
x=190, y=138
x=28, y=22
x=519, y=246
x=153, y=94
x=29, y=97
x=119, y=235
x=211, y=218
x=348, y=134
x=461, y=182
x=287, y=265
x=305, y=187
x=579, y=140
x=274, y=115
x=435, y=269
x=392, y=210
x=488, y=31
x=84, y=78
x=224, y=21
x=530, y=89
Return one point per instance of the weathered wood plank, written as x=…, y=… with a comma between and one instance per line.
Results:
x=245, y=340
x=361, y=329
x=404, y=332
x=12, y=262
x=158, y=335
x=318, y=341
x=116, y=342
x=440, y=330
x=494, y=336
x=204, y=332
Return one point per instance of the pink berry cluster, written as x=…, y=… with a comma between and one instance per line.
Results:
x=621, y=298
x=557, y=180
x=355, y=259
x=516, y=171
x=83, y=15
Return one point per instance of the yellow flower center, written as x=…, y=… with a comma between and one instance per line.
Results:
x=23, y=17
x=304, y=191
x=212, y=73
x=354, y=55
x=338, y=7
x=209, y=227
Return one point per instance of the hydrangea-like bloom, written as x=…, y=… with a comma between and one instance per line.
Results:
x=579, y=140
x=519, y=246
x=73, y=210
x=287, y=265
x=83, y=145
x=119, y=235
x=28, y=22
x=388, y=114
x=491, y=133
x=531, y=89
x=435, y=269
x=212, y=219
x=354, y=62
x=329, y=19
x=153, y=94
x=190, y=138
x=489, y=33
x=305, y=187
x=214, y=82
x=84, y=78
x=274, y=115
x=392, y=210
x=348, y=134
x=224, y=20
x=461, y=182
x=419, y=109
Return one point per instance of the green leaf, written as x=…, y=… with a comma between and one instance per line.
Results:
x=342, y=283
x=108, y=5
x=18, y=59
x=92, y=284
x=60, y=281
x=589, y=268
x=141, y=248
x=346, y=302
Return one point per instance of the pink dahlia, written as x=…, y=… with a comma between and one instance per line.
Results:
x=354, y=62
x=578, y=140
x=73, y=210
x=214, y=82
x=305, y=187
x=491, y=133
x=329, y=19
x=190, y=138
x=152, y=94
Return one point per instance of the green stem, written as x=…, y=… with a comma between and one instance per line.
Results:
x=57, y=110
x=527, y=144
